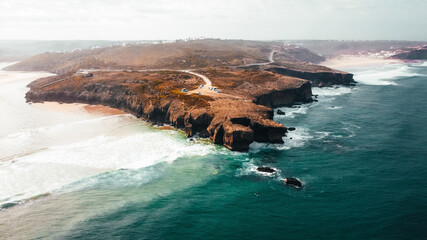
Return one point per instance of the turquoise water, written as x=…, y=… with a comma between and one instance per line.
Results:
x=360, y=152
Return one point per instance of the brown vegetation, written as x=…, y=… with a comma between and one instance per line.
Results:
x=250, y=83
x=176, y=55
x=158, y=97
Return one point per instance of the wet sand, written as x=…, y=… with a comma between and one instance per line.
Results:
x=166, y=127
x=79, y=108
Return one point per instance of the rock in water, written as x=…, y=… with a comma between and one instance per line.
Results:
x=266, y=169
x=280, y=112
x=293, y=182
x=291, y=129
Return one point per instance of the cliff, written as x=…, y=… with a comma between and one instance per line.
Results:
x=413, y=54
x=317, y=78
x=234, y=118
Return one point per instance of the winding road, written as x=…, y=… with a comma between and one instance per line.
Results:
x=270, y=60
x=205, y=90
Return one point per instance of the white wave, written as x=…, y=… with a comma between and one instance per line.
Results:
x=41, y=151
x=349, y=130
x=6, y=64
x=28, y=133
x=297, y=138
x=384, y=75
x=330, y=91
x=334, y=107
x=324, y=94
x=292, y=112
x=420, y=64
x=321, y=134
x=44, y=135
x=293, y=139
x=55, y=167
x=249, y=167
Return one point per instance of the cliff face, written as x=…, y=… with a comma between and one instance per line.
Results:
x=317, y=78
x=286, y=97
x=232, y=122
x=417, y=54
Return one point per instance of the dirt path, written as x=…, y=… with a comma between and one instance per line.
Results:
x=270, y=60
x=204, y=90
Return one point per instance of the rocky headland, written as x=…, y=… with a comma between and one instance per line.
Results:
x=416, y=53
x=236, y=118
x=228, y=94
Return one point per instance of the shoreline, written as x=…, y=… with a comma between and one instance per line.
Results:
x=98, y=110
x=357, y=61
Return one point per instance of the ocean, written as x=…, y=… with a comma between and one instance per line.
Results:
x=359, y=151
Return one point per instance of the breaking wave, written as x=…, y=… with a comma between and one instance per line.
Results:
x=61, y=165
x=385, y=75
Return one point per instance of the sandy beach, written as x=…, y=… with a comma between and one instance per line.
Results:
x=79, y=108
x=351, y=61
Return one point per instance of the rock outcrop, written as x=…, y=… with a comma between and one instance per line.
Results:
x=266, y=169
x=280, y=112
x=293, y=182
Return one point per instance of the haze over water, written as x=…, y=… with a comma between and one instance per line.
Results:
x=359, y=151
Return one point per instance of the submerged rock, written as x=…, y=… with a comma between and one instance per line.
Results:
x=280, y=112
x=266, y=169
x=293, y=182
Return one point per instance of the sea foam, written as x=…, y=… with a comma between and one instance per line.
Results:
x=384, y=75
x=293, y=139
x=47, y=170
x=42, y=151
x=331, y=91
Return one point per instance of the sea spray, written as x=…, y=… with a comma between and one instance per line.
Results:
x=385, y=75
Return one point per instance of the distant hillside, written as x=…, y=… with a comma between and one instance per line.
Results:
x=175, y=55
x=300, y=53
x=21, y=49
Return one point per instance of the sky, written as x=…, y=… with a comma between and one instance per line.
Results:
x=227, y=19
